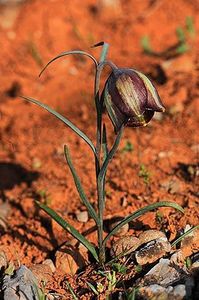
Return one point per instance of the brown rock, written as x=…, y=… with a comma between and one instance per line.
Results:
x=122, y=231
x=150, y=235
x=3, y=260
x=125, y=244
x=42, y=272
x=82, y=216
x=49, y=263
x=190, y=244
x=152, y=251
x=177, y=258
x=69, y=260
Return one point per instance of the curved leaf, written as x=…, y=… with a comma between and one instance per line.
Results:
x=184, y=235
x=64, y=120
x=64, y=224
x=140, y=212
x=79, y=187
x=76, y=52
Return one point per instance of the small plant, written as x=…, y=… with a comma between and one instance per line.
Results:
x=119, y=268
x=45, y=196
x=111, y=279
x=145, y=174
x=128, y=147
x=130, y=99
x=40, y=293
x=183, y=34
x=138, y=268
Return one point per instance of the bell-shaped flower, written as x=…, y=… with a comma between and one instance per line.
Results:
x=130, y=98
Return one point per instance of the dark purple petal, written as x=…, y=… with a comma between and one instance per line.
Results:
x=116, y=116
x=128, y=92
x=153, y=99
x=142, y=120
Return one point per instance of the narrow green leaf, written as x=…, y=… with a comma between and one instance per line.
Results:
x=180, y=34
x=184, y=235
x=146, y=45
x=64, y=120
x=79, y=187
x=104, y=143
x=140, y=212
x=190, y=26
x=63, y=223
x=76, y=52
x=93, y=289
x=71, y=290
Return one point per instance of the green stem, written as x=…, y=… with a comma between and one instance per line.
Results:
x=100, y=191
x=101, y=199
x=98, y=106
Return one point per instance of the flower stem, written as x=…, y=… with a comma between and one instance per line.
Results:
x=100, y=191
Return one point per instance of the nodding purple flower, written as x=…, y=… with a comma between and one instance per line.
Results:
x=130, y=98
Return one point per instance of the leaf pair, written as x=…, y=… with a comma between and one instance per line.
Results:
x=64, y=224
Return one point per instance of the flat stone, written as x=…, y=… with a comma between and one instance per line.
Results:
x=20, y=286
x=125, y=244
x=164, y=274
x=152, y=251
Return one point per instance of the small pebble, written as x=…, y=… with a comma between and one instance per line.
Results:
x=195, y=267
x=163, y=154
x=171, y=186
x=3, y=260
x=154, y=291
x=179, y=292
x=158, y=116
x=82, y=216
x=177, y=258
x=49, y=263
x=122, y=231
x=176, y=108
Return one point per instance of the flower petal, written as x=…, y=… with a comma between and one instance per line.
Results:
x=116, y=116
x=142, y=121
x=153, y=99
x=128, y=92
